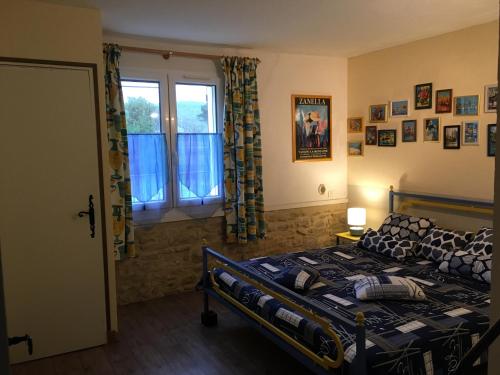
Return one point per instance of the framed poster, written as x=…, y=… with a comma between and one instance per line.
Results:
x=355, y=125
x=378, y=113
x=387, y=138
x=490, y=98
x=399, y=108
x=467, y=105
x=311, y=127
x=471, y=133
x=451, y=137
x=423, y=96
x=492, y=140
x=409, y=131
x=371, y=136
x=444, y=101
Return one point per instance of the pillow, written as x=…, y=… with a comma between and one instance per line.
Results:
x=387, y=245
x=458, y=263
x=482, y=243
x=439, y=241
x=405, y=227
x=388, y=287
x=297, y=278
x=481, y=270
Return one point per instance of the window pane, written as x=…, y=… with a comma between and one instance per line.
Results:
x=195, y=108
x=148, y=168
x=142, y=106
x=200, y=165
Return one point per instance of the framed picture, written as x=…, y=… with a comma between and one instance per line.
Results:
x=471, y=133
x=371, y=136
x=387, y=138
x=466, y=105
x=355, y=125
x=444, y=102
x=312, y=127
x=355, y=148
x=399, y=108
x=378, y=113
x=423, y=96
x=451, y=137
x=409, y=131
x=492, y=139
x=490, y=98
x=431, y=129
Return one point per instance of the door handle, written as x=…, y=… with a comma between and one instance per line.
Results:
x=91, y=216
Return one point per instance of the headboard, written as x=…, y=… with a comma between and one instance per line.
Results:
x=441, y=202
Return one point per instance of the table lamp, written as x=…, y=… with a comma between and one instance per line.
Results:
x=356, y=219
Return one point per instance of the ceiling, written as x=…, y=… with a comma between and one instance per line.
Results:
x=320, y=27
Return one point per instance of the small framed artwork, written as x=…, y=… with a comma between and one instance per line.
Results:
x=355, y=148
x=399, y=108
x=451, y=137
x=409, y=131
x=431, y=129
x=466, y=105
x=355, y=125
x=444, y=101
x=423, y=96
x=471, y=133
x=378, y=113
x=490, y=98
x=387, y=138
x=371, y=136
x=492, y=139
x=311, y=127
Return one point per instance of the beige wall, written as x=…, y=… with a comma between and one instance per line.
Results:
x=286, y=184
x=39, y=30
x=464, y=61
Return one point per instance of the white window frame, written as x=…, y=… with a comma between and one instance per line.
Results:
x=185, y=78
x=174, y=208
x=139, y=75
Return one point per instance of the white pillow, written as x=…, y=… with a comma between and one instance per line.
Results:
x=388, y=287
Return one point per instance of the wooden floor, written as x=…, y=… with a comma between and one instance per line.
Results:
x=165, y=336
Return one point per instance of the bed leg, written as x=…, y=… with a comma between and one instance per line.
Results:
x=208, y=317
x=360, y=358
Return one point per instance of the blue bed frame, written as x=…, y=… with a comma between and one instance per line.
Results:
x=358, y=365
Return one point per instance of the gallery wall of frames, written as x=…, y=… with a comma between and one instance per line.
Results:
x=463, y=130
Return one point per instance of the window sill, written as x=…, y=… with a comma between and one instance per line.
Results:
x=166, y=215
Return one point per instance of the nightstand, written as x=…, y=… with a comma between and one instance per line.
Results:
x=346, y=236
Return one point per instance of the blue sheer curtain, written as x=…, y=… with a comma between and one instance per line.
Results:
x=200, y=165
x=148, y=168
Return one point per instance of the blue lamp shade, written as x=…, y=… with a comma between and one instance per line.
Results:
x=356, y=219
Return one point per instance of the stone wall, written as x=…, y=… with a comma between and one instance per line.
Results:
x=169, y=254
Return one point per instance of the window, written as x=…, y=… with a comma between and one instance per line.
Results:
x=175, y=144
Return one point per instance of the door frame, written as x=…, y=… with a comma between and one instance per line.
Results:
x=93, y=68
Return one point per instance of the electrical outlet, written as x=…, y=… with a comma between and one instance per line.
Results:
x=330, y=194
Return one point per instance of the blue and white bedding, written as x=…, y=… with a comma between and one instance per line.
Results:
x=402, y=337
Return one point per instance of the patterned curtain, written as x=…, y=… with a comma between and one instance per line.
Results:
x=121, y=198
x=244, y=198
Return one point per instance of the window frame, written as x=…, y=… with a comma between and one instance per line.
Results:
x=175, y=78
x=140, y=75
x=174, y=209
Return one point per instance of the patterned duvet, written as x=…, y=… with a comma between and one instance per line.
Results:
x=403, y=337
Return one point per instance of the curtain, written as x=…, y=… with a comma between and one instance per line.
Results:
x=148, y=170
x=121, y=199
x=244, y=199
x=200, y=163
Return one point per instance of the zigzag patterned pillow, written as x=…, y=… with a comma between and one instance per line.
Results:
x=439, y=241
x=481, y=270
x=405, y=227
x=482, y=243
x=387, y=245
x=388, y=287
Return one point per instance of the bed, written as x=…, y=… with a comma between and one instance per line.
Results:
x=332, y=332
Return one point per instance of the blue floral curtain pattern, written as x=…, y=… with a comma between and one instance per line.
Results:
x=121, y=198
x=244, y=197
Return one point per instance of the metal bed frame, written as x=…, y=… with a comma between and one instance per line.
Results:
x=321, y=365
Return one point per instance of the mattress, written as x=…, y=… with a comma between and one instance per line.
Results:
x=402, y=337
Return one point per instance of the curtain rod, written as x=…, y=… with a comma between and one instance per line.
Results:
x=167, y=54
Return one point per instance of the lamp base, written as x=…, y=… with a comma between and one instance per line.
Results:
x=356, y=231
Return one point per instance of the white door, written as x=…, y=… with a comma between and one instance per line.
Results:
x=53, y=270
